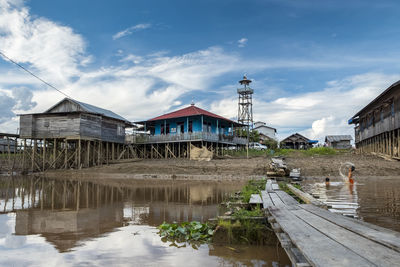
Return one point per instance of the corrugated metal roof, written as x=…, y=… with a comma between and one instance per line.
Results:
x=190, y=111
x=338, y=138
x=93, y=109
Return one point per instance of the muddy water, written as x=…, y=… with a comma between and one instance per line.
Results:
x=372, y=199
x=52, y=222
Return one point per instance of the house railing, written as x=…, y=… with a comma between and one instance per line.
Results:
x=209, y=137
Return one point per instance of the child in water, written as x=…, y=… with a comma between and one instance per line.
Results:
x=350, y=175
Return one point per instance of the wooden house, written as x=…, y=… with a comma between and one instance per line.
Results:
x=297, y=141
x=74, y=120
x=172, y=134
x=72, y=134
x=377, y=125
x=338, y=141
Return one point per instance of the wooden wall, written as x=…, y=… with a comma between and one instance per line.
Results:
x=78, y=125
x=382, y=116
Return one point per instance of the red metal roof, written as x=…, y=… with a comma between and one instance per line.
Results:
x=190, y=111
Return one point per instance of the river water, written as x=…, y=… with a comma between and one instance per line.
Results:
x=53, y=222
x=372, y=199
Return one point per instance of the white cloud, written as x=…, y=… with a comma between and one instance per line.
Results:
x=51, y=49
x=130, y=30
x=242, y=42
x=149, y=85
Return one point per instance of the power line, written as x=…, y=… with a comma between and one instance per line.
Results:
x=37, y=77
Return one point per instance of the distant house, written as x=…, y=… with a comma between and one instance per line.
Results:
x=338, y=141
x=297, y=141
x=377, y=125
x=74, y=120
x=266, y=132
x=8, y=144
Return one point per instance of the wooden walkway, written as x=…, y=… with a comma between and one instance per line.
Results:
x=313, y=236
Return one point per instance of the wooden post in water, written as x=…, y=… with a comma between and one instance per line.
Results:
x=55, y=154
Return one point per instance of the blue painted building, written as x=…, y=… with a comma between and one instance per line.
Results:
x=174, y=133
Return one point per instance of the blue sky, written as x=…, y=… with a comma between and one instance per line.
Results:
x=313, y=63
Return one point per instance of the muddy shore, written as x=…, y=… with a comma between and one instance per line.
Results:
x=234, y=168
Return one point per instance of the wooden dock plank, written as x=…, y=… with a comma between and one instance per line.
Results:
x=372, y=251
x=275, y=186
x=376, y=233
x=286, y=198
x=307, y=198
x=255, y=199
x=318, y=249
x=268, y=186
x=267, y=202
x=277, y=200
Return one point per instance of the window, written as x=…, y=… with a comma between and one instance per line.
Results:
x=162, y=129
x=167, y=129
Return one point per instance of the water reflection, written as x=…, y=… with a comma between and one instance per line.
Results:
x=372, y=199
x=93, y=222
x=341, y=197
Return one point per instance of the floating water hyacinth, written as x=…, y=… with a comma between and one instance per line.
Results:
x=186, y=232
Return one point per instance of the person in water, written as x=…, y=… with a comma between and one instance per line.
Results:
x=350, y=175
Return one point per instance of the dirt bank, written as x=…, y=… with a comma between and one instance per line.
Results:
x=235, y=168
x=328, y=165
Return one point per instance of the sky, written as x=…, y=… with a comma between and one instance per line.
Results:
x=313, y=64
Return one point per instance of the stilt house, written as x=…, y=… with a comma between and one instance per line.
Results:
x=75, y=120
x=72, y=134
x=377, y=125
x=172, y=134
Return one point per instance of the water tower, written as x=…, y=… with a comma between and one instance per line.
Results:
x=245, y=106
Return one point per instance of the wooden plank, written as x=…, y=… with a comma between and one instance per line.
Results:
x=275, y=186
x=373, y=232
x=317, y=248
x=287, y=199
x=277, y=200
x=372, y=251
x=255, y=199
x=268, y=186
x=307, y=198
x=267, y=202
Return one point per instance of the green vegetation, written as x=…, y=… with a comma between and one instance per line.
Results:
x=244, y=213
x=252, y=187
x=243, y=153
x=253, y=137
x=283, y=152
x=319, y=151
x=186, y=232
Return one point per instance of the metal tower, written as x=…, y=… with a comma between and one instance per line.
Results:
x=245, y=106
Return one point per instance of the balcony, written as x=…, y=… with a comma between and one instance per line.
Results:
x=185, y=137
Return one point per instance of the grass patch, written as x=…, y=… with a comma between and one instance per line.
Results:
x=243, y=213
x=252, y=153
x=319, y=151
x=252, y=187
